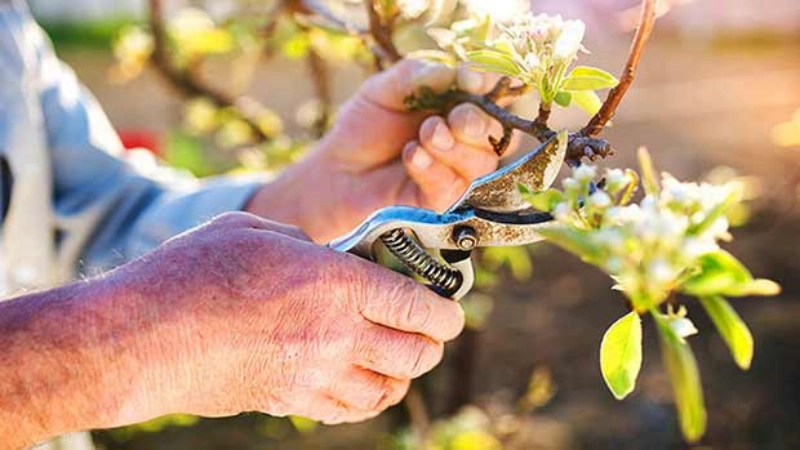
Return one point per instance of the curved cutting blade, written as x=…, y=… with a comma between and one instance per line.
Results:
x=499, y=192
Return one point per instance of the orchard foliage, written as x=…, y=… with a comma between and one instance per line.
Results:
x=536, y=50
x=667, y=244
x=659, y=250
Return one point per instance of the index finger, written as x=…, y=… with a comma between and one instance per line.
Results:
x=390, y=88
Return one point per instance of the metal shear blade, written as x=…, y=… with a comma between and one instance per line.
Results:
x=498, y=191
x=491, y=213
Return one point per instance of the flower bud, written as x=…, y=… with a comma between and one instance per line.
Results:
x=599, y=201
x=532, y=62
x=569, y=41
x=562, y=211
x=584, y=173
x=682, y=326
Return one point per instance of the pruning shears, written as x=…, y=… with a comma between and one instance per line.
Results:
x=491, y=213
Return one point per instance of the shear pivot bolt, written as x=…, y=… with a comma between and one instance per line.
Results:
x=465, y=238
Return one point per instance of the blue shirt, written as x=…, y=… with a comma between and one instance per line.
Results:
x=132, y=210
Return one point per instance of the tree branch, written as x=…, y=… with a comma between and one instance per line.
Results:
x=583, y=144
x=320, y=9
x=579, y=146
x=418, y=413
x=615, y=95
x=189, y=82
x=322, y=89
x=381, y=29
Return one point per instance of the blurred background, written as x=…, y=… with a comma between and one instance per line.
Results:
x=717, y=96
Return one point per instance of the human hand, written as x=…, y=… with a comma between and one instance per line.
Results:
x=256, y=317
x=378, y=154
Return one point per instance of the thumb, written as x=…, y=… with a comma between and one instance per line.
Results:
x=390, y=88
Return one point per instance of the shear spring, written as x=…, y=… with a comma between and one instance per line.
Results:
x=414, y=257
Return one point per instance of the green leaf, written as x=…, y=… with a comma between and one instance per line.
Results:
x=627, y=196
x=186, y=152
x=296, y=46
x=505, y=47
x=621, y=354
x=720, y=273
x=573, y=241
x=588, y=101
x=494, y=61
x=685, y=378
x=303, y=425
x=563, y=98
x=517, y=259
x=759, y=286
x=544, y=200
x=588, y=79
x=732, y=329
x=649, y=177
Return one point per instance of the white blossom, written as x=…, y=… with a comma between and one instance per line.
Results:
x=682, y=326
x=411, y=9
x=562, y=211
x=532, y=62
x=599, y=200
x=695, y=247
x=570, y=184
x=646, y=247
x=584, y=173
x=609, y=237
x=616, y=180
x=569, y=40
x=661, y=272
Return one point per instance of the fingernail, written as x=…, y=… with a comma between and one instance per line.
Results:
x=470, y=81
x=442, y=138
x=421, y=159
x=474, y=125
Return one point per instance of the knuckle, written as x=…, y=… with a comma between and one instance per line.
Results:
x=383, y=393
x=368, y=345
x=418, y=313
x=229, y=218
x=427, y=355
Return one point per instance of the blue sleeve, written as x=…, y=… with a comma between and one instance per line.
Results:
x=131, y=209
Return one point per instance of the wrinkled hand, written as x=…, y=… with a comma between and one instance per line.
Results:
x=256, y=317
x=377, y=154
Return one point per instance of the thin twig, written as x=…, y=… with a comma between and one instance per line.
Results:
x=583, y=144
x=615, y=95
x=544, y=113
x=417, y=412
x=506, y=118
x=579, y=146
x=318, y=8
x=501, y=145
x=504, y=89
x=322, y=89
x=381, y=29
x=189, y=82
x=272, y=18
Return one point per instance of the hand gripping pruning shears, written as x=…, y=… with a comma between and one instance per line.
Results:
x=491, y=213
